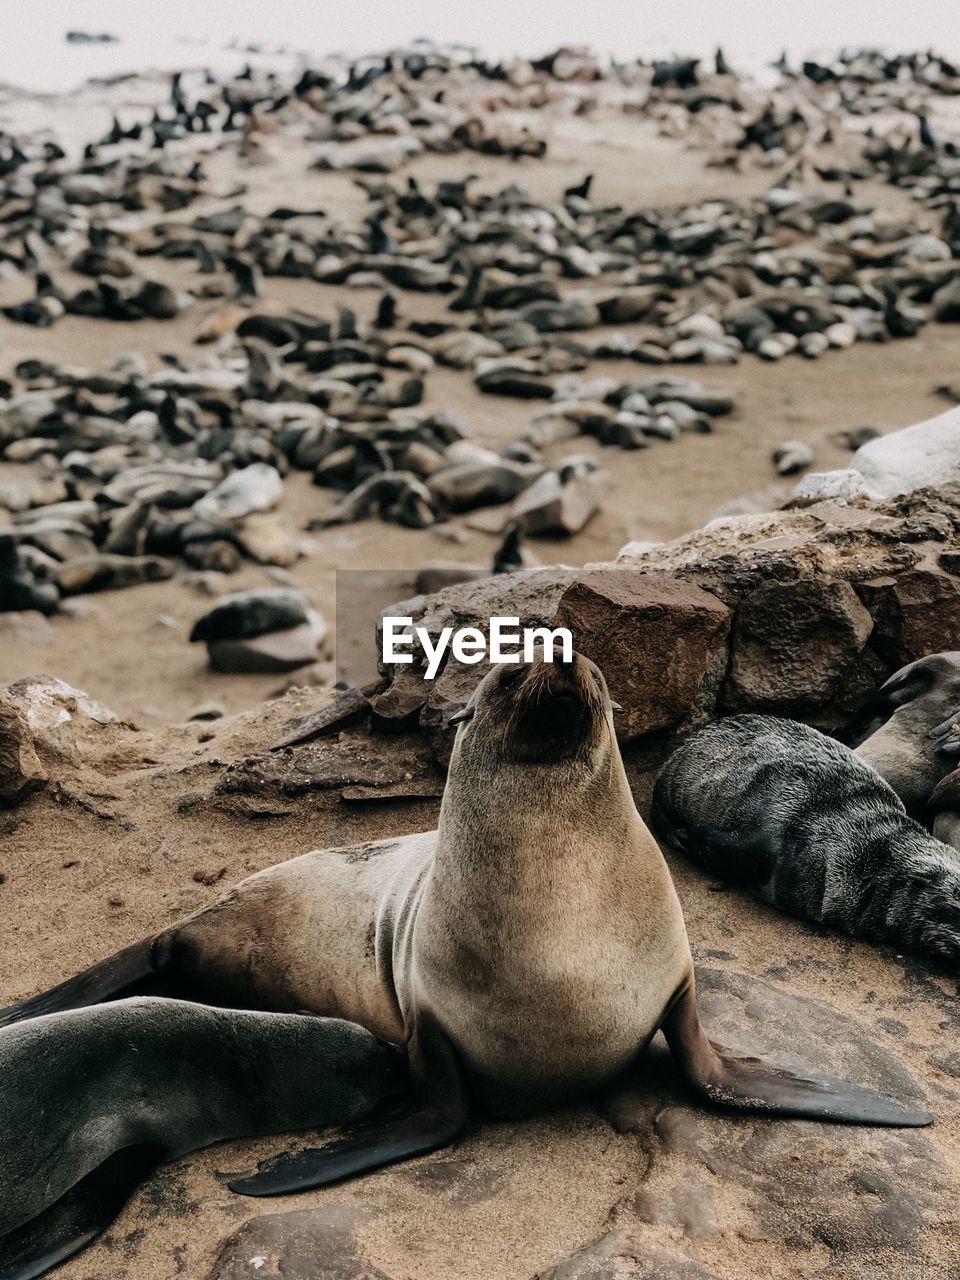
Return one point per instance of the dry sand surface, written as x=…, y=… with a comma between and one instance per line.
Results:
x=134, y=837
x=112, y=855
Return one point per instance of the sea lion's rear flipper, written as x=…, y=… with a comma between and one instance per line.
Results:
x=78, y=1217
x=747, y=1084
x=440, y=1114
x=946, y=736
x=136, y=970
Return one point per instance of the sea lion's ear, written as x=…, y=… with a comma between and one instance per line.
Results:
x=615, y=706
x=462, y=716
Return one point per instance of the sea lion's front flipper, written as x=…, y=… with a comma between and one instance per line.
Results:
x=78, y=1217
x=747, y=1084
x=438, y=1116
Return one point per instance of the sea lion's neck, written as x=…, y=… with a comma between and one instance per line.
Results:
x=508, y=823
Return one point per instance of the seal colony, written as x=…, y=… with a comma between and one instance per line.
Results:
x=530, y=297
x=94, y=1099
x=805, y=824
x=473, y=944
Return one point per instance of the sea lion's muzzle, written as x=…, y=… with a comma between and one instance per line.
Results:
x=556, y=703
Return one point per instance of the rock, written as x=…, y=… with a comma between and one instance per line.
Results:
x=832, y=486
x=271, y=651
x=794, y=645
x=550, y=506
x=346, y=709
x=254, y=488
x=20, y=769
x=655, y=639
x=307, y=1244
x=436, y=576
x=791, y=457
x=208, y=711
x=530, y=594
x=614, y=1257
x=59, y=719
x=901, y=461
x=245, y=614
x=842, y=334
x=826, y=1199
x=917, y=612
x=351, y=759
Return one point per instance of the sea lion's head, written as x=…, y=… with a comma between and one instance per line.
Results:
x=930, y=685
x=536, y=713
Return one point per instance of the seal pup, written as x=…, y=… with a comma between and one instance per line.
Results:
x=805, y=824
x=94, y=1099
x=525, y=952
x=898, y=723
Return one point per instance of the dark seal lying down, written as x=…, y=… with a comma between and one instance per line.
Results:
x=92, y=1100
x=805, y=824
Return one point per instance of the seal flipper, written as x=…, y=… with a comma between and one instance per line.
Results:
x=136, y=970
x=440, y=1114
x=747, y=1084
x=78, y=1217
x=741, y=858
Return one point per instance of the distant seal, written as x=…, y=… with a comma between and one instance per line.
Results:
x=93, y=1099
x=805, y=824
x=895, y=737
x=524, y=953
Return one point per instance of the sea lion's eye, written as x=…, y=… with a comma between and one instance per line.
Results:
x=511, y=676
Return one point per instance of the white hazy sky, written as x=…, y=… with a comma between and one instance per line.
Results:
x=154, y=32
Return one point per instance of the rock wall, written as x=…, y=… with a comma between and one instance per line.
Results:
x=800, y=613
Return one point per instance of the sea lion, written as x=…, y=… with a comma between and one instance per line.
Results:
x=896, y=725
x=944, y=809
x=94, y=1099
x=805, y=824
x=524, y=953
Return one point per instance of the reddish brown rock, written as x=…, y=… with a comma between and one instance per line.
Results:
x=655, y=639
x=795, y=644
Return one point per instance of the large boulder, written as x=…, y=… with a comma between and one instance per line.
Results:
x=794, y=644
x=655, y=639
x=802, y=612
x=928, y=453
